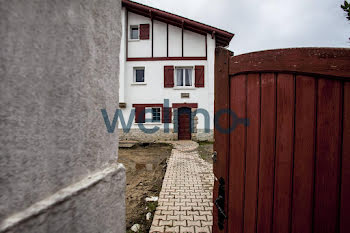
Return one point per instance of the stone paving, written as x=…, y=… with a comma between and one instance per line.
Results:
x=185, y=201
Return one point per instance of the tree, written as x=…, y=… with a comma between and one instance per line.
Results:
x=346, y=8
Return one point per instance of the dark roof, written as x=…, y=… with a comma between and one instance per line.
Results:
x=223, y=38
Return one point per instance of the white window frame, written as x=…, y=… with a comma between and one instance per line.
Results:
x=148, y=110
x=183, y=73
x=138, y=35
x=134, y=75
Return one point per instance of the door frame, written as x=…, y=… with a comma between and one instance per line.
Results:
x=177, y=106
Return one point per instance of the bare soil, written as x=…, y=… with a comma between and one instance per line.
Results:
x=145, y=169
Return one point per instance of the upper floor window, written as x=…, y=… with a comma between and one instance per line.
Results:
x=134, y=32
x=184, y=76
x=139, y=74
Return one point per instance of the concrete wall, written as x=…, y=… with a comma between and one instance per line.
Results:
x=59, y=67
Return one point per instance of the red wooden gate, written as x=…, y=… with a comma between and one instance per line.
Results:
x=289, y=170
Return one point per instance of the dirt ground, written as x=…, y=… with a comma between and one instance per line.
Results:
x=145, y=168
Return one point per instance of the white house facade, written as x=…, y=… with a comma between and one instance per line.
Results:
x=166, y=75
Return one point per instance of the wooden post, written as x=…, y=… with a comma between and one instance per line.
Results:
x=221, y=145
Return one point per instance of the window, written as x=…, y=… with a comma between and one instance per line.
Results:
x=139, y=74
x=184, y=76
x=153, y=115
x=134, y=32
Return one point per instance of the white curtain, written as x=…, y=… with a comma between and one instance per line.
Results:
x=188, y=77
x=179, y=77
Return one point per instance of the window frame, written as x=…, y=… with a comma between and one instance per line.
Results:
x=151, y=111
x=134, y=75
x=184, y=77
x=138, y=32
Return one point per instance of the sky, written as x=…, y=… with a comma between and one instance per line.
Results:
x=267, y=24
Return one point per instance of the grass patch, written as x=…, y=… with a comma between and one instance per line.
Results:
x=205, y=151
x=202, y=143
x=152, y=205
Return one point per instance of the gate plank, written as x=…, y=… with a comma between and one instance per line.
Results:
x=221, y=145
x=304, y=154
x=252, y=154
x=284, y=153
x=327, y=156
x=237, y=155
x=345, y=186
x=267, y=152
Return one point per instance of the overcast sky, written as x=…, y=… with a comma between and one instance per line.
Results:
x=268, y=24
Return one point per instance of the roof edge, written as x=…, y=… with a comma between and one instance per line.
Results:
x=223, y=38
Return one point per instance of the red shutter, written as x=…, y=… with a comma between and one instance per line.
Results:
x=199, y=82
x=139, y=114
x=166, y=117
x=144, y=31
x=168, y=76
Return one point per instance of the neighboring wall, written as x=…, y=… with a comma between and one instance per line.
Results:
x=59, y=68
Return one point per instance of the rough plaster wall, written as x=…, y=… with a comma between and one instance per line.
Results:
x=96, y=209
x=59, y=62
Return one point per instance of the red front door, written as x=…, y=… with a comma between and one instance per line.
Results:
x=184, y=127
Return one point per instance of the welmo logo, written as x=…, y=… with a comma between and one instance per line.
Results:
x=235, y=120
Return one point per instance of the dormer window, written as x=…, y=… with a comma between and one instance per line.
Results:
x=134, y=32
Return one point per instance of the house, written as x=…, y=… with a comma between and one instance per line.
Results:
x=167, y=74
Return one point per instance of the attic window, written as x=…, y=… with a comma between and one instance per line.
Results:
x=134, y=32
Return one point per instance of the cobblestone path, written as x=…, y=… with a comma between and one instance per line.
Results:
x=185, y=201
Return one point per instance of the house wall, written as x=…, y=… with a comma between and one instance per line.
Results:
x=139, y=48
x=193, y=43
x=159, y=39
x=153, y=91
x=175, y=41
x=59, y=68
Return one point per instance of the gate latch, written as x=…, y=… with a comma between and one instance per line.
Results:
x=214, y=155
x=220, y=204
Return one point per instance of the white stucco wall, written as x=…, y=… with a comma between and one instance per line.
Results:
x=194, y=44
x=153, y=91
x=175, y=41
x=139, y=48
x=159, y=39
